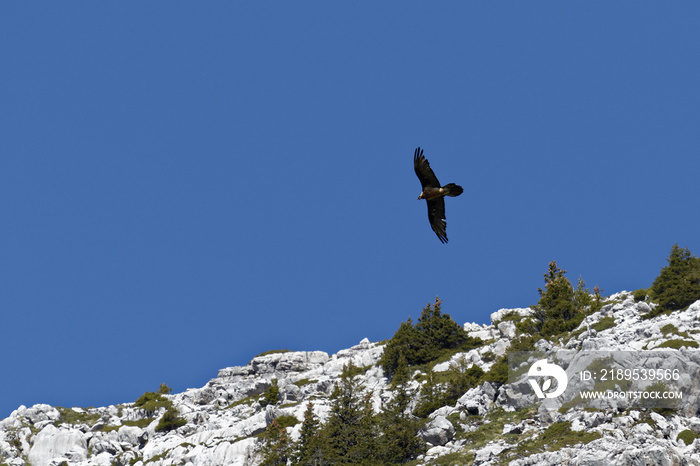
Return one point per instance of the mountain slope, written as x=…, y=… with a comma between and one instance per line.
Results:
x=489, y=424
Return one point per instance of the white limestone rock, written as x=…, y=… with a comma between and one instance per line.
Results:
x=132, y=435
x=491, y=449
x=294, y=361
x=499, y=315
x=52, y=443
x=439, y=431
x=477, y=401
x=507, y=329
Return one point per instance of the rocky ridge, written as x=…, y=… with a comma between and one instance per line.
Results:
x=489, y=425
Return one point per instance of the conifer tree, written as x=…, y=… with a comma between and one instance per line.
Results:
x=438, y=329
x=350, y=431
x=164, y=389
x=556, y=311
x=400, y=347
x=309, y=447
x=430, y=396
x=399, y=441
x=678, y=284
x=277, y=447
x=402, y=373
x=433, y=335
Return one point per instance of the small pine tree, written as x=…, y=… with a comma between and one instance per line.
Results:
x=399, y=348
x=401, y=374
x=151, y=402
x=164, y=389
x=556, y=300
x=350, y=433
x=277, y=445
x=308, y=450
x=678, y=284
x=399, y=442
x=430, y=396
x=433, y=335
x=560, y=308
x=271, y=395
x=438, y=332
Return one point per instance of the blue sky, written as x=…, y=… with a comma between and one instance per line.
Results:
x=186, y=185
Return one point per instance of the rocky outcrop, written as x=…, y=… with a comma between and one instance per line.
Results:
x=438, y=431
x=489, y=424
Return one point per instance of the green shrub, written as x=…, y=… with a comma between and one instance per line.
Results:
x=142, y=423
x=171, y=420
x=688, y=436
x=498, y=374
x=678, y=284
x=435, y=335
x=287, y=420
x=678, y=344
x=555, y=437
x=303, y=382
x=604, y=324
x=72, y=417
x=640, y=294
x=445, y=388
x=151, y=402
x=271, y=395
x=669, y=328
x=353, y=434
x=556, y=305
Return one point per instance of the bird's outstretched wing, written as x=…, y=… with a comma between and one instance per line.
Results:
x=425, y=175
x=436, y=215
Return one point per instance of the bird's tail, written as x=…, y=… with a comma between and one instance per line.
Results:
x=452, y=189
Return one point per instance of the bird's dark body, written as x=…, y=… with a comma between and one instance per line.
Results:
x=431, y=193
x=434, y=194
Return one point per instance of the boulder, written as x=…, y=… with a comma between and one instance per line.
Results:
x=53, y=442
x=439, y=431
x=490, y=450
x=501, y=313
x=293, y=361
x=105, y=442
x=37, y=414
x=132, y=435
x=507, y=329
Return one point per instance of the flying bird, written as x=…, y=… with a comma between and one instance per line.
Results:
x=434, y=194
